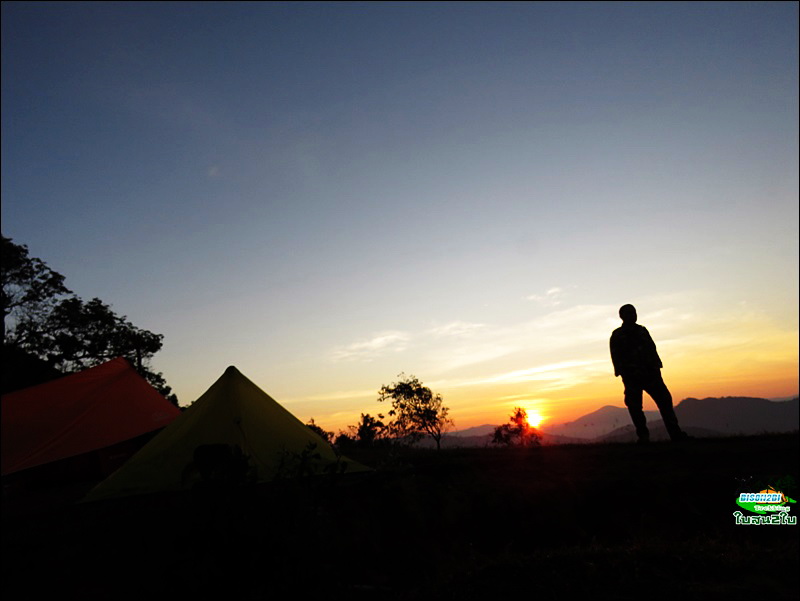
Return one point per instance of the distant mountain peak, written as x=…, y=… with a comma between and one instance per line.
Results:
x=481, y=430
x=720, y=415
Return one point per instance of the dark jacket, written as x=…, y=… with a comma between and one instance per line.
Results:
x=633, y=351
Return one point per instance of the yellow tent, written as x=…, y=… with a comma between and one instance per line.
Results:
x=235, y=432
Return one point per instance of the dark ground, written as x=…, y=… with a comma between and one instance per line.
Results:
x=612, y=521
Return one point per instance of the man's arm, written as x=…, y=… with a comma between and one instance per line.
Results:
x=651, y=347
x=614, y=348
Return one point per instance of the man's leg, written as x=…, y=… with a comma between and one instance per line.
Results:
x=633, y=401
x=657, y=389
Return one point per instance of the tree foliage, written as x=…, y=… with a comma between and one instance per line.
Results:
x=321, y=432
x=417, y=411
x=517, y=432
x=30, y=290
x=369, y=432
x=79, y=334
x=344, y=440
x=41, y=317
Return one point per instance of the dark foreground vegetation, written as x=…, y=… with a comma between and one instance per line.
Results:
x=613, y=521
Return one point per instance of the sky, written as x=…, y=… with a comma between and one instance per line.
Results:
x=330, y=195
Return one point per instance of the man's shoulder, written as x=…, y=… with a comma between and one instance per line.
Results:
x=627, y=330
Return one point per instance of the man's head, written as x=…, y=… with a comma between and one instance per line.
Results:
x=627, y=313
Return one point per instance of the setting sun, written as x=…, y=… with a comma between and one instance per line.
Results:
x=534, y=418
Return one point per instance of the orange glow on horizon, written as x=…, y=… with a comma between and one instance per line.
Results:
x=550, y=404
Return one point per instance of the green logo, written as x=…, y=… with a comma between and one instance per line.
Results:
x=770, y=506
x=766, y=501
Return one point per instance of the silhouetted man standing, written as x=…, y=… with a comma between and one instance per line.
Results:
x=635, y=358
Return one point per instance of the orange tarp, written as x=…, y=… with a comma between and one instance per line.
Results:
x=78, y=413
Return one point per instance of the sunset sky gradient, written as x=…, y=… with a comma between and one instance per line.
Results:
x=326, y=195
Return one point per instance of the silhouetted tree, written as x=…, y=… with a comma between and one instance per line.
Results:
x=370, y=430
x=417, y=411
x=65, y=332
x=344, y=440
x=30, y=289
x=79, y=334
x=324, y=434
x=517, y=431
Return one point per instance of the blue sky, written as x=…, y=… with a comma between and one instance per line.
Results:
x=328, y=194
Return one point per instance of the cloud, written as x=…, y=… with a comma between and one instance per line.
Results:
x=554, y=371
x=444, y=359
x=564, y=333
x=551, y=298
x=341, y=395
x=553, y=376
x=457, y=329
x=560, y=341
x=367, y=350
x=436, y=338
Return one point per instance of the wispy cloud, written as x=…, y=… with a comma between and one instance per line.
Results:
x=555, y=376
x=449, y=358
x=459, y=344
x=457, y=329
x=340, y=395
x=551, y=298
x=539, y=373
x=368, y=350
x=562, y=347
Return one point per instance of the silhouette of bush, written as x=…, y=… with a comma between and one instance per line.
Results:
x=517, y=431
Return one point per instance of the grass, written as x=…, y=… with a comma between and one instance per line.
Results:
x=612, y=521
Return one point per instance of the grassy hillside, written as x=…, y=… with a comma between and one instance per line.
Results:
x=607, y=521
